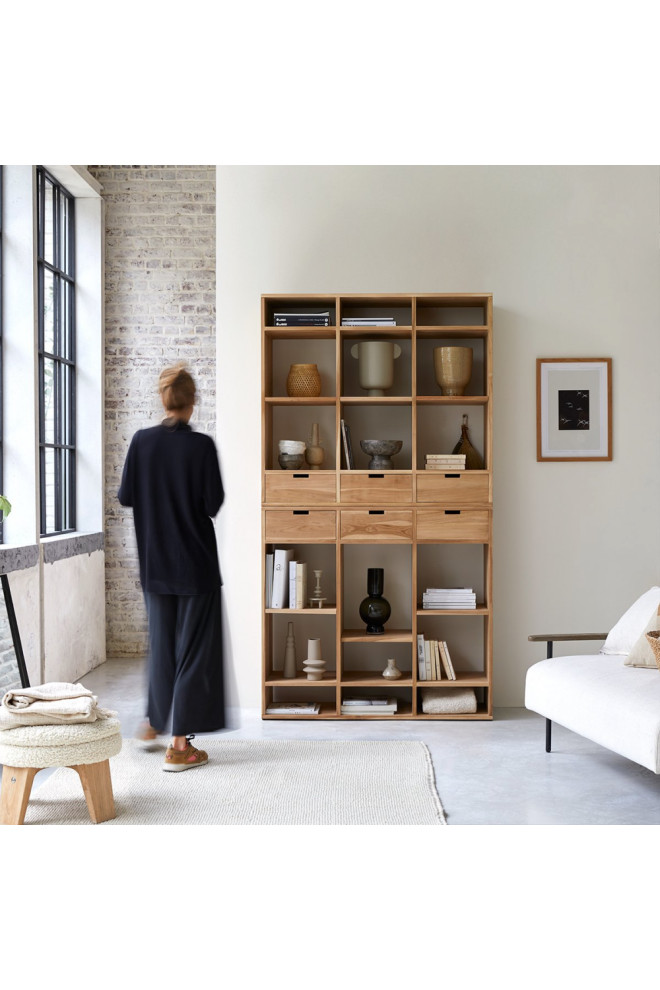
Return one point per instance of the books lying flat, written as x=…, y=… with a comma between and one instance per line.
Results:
x=368, y=321
x=444, y=462
x=458, y=598
x=293, y=708
x=301, y=319
x=369, y=706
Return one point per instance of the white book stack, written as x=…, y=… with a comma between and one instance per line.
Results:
x=444, y=462
x=368, y=321
x=453, y=598
x=369, y=706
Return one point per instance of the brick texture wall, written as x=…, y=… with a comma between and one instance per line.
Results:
x=159, y=309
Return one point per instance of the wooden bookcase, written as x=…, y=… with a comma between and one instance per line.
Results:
x=425, y=528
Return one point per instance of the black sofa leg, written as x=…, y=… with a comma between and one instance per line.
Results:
x=548, y=735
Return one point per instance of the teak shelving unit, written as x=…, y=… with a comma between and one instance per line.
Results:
x=426, y=528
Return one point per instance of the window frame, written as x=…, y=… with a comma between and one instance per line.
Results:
x=62, y=269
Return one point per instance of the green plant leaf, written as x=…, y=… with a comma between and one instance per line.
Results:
x=5, y=505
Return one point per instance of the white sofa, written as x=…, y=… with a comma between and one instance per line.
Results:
x=611, y=697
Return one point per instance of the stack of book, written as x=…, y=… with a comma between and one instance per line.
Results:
x=301, y=319
x=286, y=580
x=293, y=708
x=445, y=462
x=432, y=659
x=438, y=598
x=368, y=321
x=368, y=706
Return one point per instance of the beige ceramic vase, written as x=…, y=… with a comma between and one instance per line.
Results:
x=314, y=453
x=376, y=364
x=453, y=368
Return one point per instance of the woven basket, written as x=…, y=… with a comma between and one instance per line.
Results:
x=654, y=642
x=303, y=380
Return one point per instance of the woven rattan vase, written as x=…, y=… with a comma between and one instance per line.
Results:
x=303, y=380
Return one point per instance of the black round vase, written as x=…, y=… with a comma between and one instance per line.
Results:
x=374, y=609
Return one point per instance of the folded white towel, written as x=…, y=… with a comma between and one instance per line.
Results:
x=448, y=701
x=50, y=704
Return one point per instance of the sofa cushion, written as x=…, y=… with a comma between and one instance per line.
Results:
x=641, y=654
x=598, y=697
x=632, y=624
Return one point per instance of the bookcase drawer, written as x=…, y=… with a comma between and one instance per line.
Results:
x=372, y=488
x=300, y=525
x=454, y=488
x=463, y=526
x=300, y=487
x=383, y=525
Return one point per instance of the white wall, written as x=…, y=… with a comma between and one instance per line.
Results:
x=570, y=254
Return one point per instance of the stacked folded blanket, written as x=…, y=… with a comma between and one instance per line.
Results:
x=55, y=703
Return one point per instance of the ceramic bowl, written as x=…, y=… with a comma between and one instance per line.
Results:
x=291, y=462
x=381, y=452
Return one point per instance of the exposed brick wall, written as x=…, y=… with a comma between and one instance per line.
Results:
x=160, y=308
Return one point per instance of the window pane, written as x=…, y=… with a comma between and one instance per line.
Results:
x=49, y=482
x=66, y=320
x=66, y=253
x=49, y=401
x=49, y=233
x=66, y=405
x=49, y=312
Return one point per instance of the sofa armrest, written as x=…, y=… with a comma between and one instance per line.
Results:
x=551, y=638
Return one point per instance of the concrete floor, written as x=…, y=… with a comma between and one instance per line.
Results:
x=487, y=773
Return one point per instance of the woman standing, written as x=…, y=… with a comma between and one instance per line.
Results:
x=171, y=479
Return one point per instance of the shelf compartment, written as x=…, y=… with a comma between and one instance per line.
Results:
x=298, y=304
x=426, y=380
x=300, y=487
x=300, y=525
x=458, y=525
x=401, y=366
x=439, y=428
x=455, y=488
x=379, y=418
x=281, y=353
x=469, y=310
x=376, y=525
x=467, y=640
x=369, y=305
x=305, y=626
x=375, y=487
x=452, y=565
x=293, y=419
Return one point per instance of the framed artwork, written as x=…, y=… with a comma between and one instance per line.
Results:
x=574, y=409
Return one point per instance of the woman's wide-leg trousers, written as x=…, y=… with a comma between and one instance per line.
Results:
x=185, y=663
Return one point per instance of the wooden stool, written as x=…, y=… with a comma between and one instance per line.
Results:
x=85, y=747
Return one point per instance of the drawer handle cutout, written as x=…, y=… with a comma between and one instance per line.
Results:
x=452, y=512
x=376, y=475
x=301, y=512
x=452, y=476
x=376, y=512
x=301, y=476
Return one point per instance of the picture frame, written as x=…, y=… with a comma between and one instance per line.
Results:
x=574, y=409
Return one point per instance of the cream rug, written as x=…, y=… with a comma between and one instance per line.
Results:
x=258, y=782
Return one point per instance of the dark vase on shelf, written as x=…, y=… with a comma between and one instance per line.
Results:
x=374, y=609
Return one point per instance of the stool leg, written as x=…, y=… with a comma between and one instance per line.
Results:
x=97, y=785
x=16, y=788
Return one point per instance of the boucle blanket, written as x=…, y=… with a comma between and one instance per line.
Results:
x=55, y=703
x=448, y=701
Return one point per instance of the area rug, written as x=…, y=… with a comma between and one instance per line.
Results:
x=258, y=782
